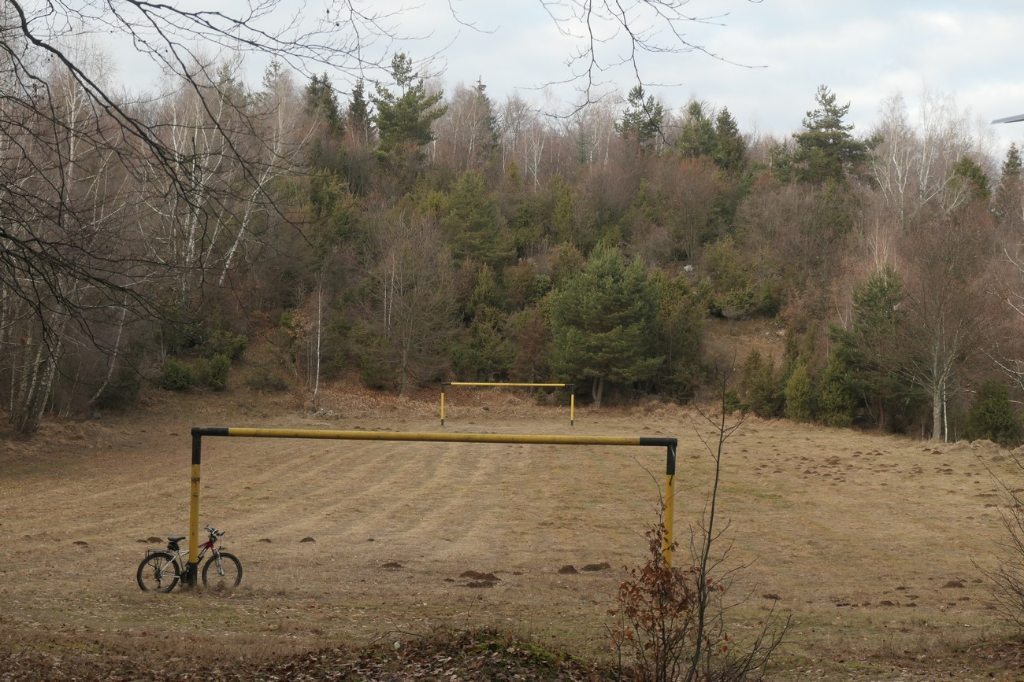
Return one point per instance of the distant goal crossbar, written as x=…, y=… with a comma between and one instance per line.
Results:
x=516, y=384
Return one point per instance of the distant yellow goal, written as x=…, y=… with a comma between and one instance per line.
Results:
x=570, y=387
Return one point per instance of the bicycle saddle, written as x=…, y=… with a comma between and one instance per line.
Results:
x=176, y=538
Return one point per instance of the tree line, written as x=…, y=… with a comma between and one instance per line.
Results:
x=398, y=235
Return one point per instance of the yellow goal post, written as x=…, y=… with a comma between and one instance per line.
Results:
x=191, y=573
x=571, y=387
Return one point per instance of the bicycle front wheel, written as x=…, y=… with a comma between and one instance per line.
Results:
x=158, y=572
x=222, y=572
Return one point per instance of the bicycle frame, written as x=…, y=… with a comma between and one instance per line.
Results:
x=180, y=554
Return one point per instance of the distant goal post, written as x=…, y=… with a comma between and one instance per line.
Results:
x=514, y=384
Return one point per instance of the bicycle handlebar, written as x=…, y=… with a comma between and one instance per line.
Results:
x=214, y=531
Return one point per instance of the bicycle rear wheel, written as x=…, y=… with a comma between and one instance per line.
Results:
x=158, y=572
x=222, y=572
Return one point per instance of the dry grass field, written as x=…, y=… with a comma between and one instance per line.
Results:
x=871, y=543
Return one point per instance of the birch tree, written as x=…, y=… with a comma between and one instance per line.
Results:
x=64, y=191
x=913, y=164
x=82, y=163
x=947, y=295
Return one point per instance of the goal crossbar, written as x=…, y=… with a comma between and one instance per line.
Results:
x=191, y=568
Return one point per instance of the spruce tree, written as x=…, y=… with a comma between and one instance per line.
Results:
x=730, y=153
x=798, y=394
x=321, y=104
x=481, y=352
x=474, y=224
x=993, y=417
x=697, y=137
x=322, y=101
x=836, y=394
x=486, y=123
x=762, y=386
x=358, y=114
x=603, y=322
x=1012, y=163
x=872, y=349
x=1008, y=202
x=679, y=336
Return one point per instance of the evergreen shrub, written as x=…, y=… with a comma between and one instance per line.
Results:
x=799, y=395
x=227, y=344
x=218, y=368
x=761, y=387
x=992, y=416
x=732, y=401
x=176, y=376
x=836, y=404
x=376, y=373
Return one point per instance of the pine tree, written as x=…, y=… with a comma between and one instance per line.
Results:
x=826, y=149
x=971, y=175
x=404, y=121
x=643, y=119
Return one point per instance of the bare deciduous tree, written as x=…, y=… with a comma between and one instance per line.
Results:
x=672, y=621
x=913, y=164
x=467, y=134
x=610, y=35
x=949, y=304
x=83, y=166
x=410, y=306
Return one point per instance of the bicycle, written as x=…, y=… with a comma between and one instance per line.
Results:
x=161, y=570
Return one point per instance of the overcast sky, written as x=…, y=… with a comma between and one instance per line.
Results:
x=864, y=50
